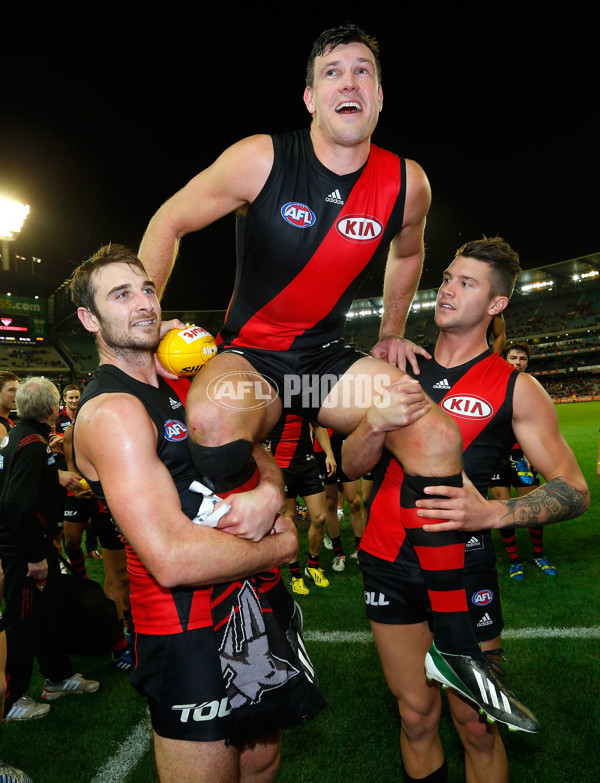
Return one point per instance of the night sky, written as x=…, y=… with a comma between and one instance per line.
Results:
x=102, y=120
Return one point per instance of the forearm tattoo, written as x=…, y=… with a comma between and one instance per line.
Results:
x=552, y=502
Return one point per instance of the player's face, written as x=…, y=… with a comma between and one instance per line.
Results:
x=7, y=396
x=128, y=309
x=463, y=300
x=518, y=359
x=71, y=399
x=346, y=96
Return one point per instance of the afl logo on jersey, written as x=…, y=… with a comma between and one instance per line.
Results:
x=359, y=228
x=298, y=215
x=483, y=598
x=467, y=406
x=175, y=430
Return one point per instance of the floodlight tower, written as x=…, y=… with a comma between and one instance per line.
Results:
x=12, y=217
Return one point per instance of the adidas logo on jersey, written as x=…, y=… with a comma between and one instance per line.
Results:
x=442, y=384
x=175, y=403
x=485, y=620
x=335, y=197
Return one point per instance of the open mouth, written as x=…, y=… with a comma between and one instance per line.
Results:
x=349, y=107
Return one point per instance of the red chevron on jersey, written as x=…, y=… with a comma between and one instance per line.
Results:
x=472, y=411
x=341, y=257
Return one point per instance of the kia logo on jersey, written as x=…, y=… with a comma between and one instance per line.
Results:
x=175, y=430
x=483, y=598
x=298, y=215
x=359, y=228
x=467, y=406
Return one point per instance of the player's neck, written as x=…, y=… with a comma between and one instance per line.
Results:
x=137, y=364
x=455, y=348
x=339, y=158
x=4, y=412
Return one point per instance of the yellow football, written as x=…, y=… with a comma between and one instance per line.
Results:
x=184, y=351
x=84, y=484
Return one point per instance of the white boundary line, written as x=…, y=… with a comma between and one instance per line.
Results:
x=356, y=637
x=138, y=743
x=128, y=755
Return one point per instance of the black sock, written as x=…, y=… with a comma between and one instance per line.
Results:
x=295, y=569
x=439, y=776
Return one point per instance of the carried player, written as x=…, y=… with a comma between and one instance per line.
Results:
x=315, y=210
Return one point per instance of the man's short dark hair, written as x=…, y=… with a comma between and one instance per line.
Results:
x=70, y=387
x=520, y=347
x=7, y=377
x=80, y=285
x=502, y=260
x=337, y=36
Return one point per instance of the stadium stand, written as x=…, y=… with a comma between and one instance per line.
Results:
x=555, y=309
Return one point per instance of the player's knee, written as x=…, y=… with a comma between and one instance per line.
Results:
x=259, y=762
x=475, y=732
x=419, y=724
x=354, y=504
x=318, y=520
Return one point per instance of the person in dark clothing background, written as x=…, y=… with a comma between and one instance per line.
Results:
x=30, y=509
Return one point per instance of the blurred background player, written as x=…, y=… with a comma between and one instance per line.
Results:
x=8, y=774
x=338, y=484
x=9, y=383
x=292, y=448
x=516, y=472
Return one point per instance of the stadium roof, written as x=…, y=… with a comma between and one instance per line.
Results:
x=574, y=273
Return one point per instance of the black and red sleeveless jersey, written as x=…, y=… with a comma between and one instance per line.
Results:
x=291, y=441
x=62, y=423
x=337, y=441
x=156, y=609
x=479, y=397
x=306, y=243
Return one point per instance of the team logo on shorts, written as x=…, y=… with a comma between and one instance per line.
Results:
x=483, y=598
x=359, y=228
x=175, y=430
x=298, y=215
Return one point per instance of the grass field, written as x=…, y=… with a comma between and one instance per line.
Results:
x=552, y=642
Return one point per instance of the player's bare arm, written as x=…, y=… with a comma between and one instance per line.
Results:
x=403, y=272
x=322, y=437
x=401, y=405
x=143, y=499
x=230, y=183
x=565, y=494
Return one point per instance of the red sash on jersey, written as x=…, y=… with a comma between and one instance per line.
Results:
x=473, y=410
x=284, y=449
x=337, y=259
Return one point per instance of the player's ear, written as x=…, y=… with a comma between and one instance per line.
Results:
x=497, y=305
x=308, y=100
x=89, y=320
